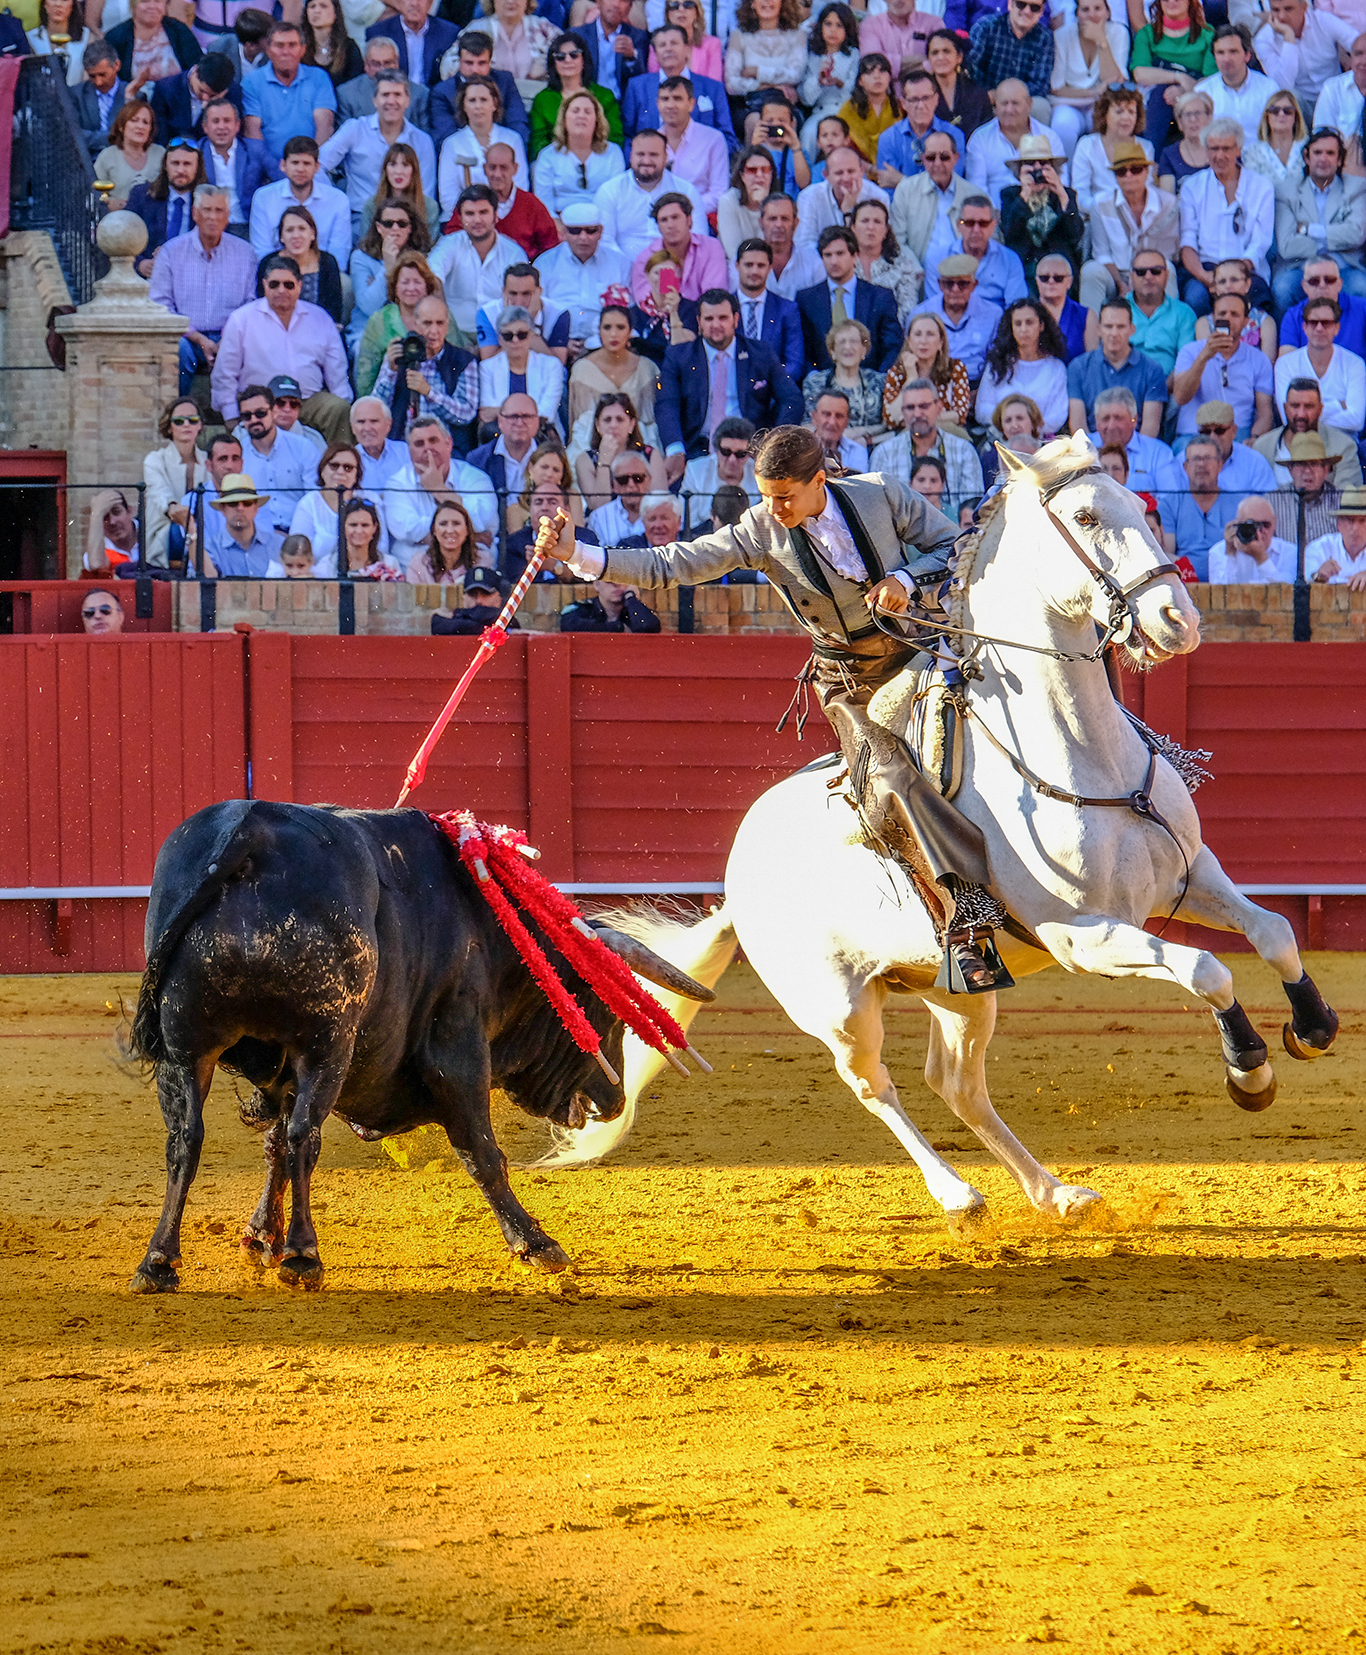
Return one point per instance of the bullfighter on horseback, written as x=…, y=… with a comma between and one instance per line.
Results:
x=839, y=551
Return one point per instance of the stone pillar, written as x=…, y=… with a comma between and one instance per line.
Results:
x=122, y=368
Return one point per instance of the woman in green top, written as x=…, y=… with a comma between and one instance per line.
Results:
x=1170, y=53
x=564, y=73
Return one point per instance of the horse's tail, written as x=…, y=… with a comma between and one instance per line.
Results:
x=703, y=948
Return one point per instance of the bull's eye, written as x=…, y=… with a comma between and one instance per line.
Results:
x=1086, y=520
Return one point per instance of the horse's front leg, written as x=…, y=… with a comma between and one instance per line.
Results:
x=1111, y=948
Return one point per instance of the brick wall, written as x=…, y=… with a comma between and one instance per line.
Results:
x=1266, y=614
x=35, y=407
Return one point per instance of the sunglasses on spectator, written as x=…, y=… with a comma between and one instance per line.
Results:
x=741, y=453
x=103, y=609
x=1052, y=275
x=631, y=477
x=583, y=229
x=956, y=282
x=395, y=224
x=1321, y=281
x=186, y=419
x=1279, y=109
x=182, y=143
x=1028, y=6
x=1214, y=430
x=258, y=412
x=976, y=223
x=1129, y=172
x=516, y=333
x=288, y=402
x=567, y=55
x=1320, y=321
x=1151, y=270
x=283, y=282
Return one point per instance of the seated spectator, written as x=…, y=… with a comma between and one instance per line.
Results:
x=1054, y=277
x=1028, y=358
x=1238, y=91
x=879, y=259
x=1323, y=279
x=619, y=520
x=433, y=475
x=627, y=203
x=831, y=134
x=1090, y=54
x=844, y=295
x=1224, y=369
x=515, y=368
x=296, y=560
x=701, y=261
x=1339, y=559
x=450, y=552
x=999, y=274
x=393, y=232
x=767, y=47
x=380, y=456
x=247, y=549
x=361, y=146
x=737, y=212
x=1303, y=405
x=1114, y=462
x=327, y=45
x=64, y=19
x=1251, y=553
x=1259, y=331
x=926, y=205
x=409, y=282
x=282, y=333
x=961, y=100
x=827, y=205
x=205, y=277
x=703, y=55
x=1038, y=214
x=1170, y=53
x=921, y=412
x=1186, y=158
x=1118, y=121
x=1276, y=150
x=237, y=165
x=848, y=345
x=302, y=186
x=133, y=156
x=504, y=459
x=284, y=460
x=285, y=98
x=696, y=152
x=929, y=479
x=925, y=355
x=171, y=472
x=793, y=267
x=830, y=422
x=764, y=315
x=1343, y=99
x=484, y=593
x=245, y=43
x=970, y=322
x=871, y=109
x=1341, y=374
x=1242, y=470
x=661, y=517
x=1116, y=363
x=1020, y=425
x=580, y=159
x=539, y=502
x=548, y=468
x=356, y=97
x=401, y=180
x=222, y=459
x=565, y=66
x=316, y=515
x=112, y=534
x=164, y=204
x=612, y=608
x=901, y=149
x=728, y=505
x=579, y=269
x=993, y=145
x=101, y=613
x=1162, y=325
x=318, y=270
x=615, y=430
x=474, y=58
x=287, y=403
x=1193, y=519
x=151, y=45
x=831, y=65
x=1131, y=218
x=728, y=465
x=1311, y=468
x=1014, y=42
x=549, y=323
x=471, y=260
x=444, y=381
x=100, y=96
x=478, y=108
x=1323, y=209
x=1153, y=468
x=775, y=129
x=1226, y=212
x=362, y=534
x=179, y=101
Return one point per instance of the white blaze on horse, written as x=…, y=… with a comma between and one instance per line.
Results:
x=1090, y=835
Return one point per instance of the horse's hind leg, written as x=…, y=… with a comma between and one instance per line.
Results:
x=960, y=1031
x=1214, y=900
x=181, y=1089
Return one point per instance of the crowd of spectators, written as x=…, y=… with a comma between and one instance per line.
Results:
x=447, y=271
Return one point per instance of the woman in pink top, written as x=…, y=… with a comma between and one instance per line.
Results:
x=706, y=48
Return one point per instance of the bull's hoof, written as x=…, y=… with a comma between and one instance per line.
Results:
x=259, y=1248
x=154, y=1276
x=544, y=1255
x=1252, y=1089
x=301, y=1272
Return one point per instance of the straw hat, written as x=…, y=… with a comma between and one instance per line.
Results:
x=1214, y=413
x=1034, y=147
x=238, y=490
x=1352, y=504
x=1308, y=445
x=958, y=264
x=1129, y=154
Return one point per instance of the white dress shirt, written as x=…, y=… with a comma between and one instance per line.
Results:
x=818, y=210
x=804, y=269
x=625, y=207
x=462, y=163
x=409, y=509
x=1244, y=103
x=1340, y=105
x=988, y=151
x=1327, y=546
x=578, y=284
x=1343, y=385
x=360, y=147
x=470, y=281
x=331, y=213
x=1218, y=228
x=314, y=517
x=1306, y=66
x=561, y=178
x=1238, y=568
x=544, y=382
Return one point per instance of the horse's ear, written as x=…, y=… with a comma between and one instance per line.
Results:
x=1012, y=462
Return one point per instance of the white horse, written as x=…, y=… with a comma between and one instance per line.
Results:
x=1089, y=835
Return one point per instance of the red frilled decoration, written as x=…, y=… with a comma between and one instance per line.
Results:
x=496, y=857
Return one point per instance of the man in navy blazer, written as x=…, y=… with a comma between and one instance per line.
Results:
x=767, y=316
x=476, y=59
x=173, y=99
x=674, y=51
x=630, y=48
x=437, y=39
x=863, y=302
x=758, y=386
x=251, y=162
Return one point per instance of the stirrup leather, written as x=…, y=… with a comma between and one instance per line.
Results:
x=978, y=944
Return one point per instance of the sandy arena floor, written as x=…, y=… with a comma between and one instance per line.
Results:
x=774, y=1409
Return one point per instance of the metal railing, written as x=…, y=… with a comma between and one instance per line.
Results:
x=52, y=176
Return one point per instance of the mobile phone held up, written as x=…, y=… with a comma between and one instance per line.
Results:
x=669, y=281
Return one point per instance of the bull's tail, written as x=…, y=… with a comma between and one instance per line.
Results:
x=192, y=867
x=703, y=948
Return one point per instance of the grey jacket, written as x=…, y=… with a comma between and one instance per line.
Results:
x=898, y=528
x=1344, y=222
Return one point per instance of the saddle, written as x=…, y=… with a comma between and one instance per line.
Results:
x=920, y=710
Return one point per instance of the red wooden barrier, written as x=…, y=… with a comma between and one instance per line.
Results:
x=42, y=606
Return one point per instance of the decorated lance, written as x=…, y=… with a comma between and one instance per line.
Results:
x=494, y=637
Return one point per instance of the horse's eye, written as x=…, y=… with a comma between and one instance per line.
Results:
x=1086, y=519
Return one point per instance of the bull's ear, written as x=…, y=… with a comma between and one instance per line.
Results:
x=646, y=963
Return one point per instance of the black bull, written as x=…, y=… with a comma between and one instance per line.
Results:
x=344, y=960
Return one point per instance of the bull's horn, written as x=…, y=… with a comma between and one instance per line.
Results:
x=650, y=966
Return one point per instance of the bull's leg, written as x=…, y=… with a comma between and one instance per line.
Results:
x=181, y=1090
x=263, y=1240
x=320, y=1079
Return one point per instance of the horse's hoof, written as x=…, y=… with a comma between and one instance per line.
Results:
x=1301, y=1047
x=1077, y=1205
x=154, y=1278
x=544, y=1255
x=301, y=1272
x=973, y=1223
x=1252, y=1089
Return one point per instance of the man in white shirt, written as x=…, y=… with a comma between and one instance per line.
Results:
x=431, y=477
x=1237, y=92
x=1298, y=48
x=1340, y=559
x=695, y=152
x=381, y=457
x=625, y=202
x=579, y=271
x=921, y=411
x=1344, y=96
x=470, y=263
x=302, y=186
x=361, y=145
x=619, y=519
x=1251, y=552
x=997, y=142
x=793, y=267
x=822, y=205
x=1227, y=212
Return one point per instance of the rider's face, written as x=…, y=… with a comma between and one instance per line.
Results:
x=792, y=502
